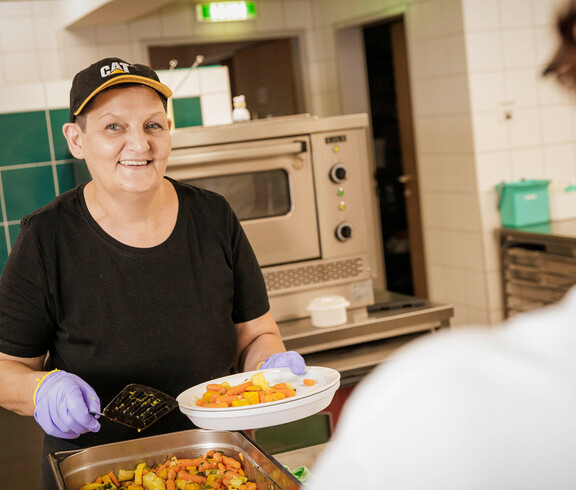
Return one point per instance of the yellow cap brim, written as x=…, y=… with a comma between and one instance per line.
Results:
x=159, y=87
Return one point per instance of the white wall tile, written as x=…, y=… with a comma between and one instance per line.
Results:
x=557, y=124
x=21, y=66
x=320, y=44
x=518, y=46
x=325, y=104
x=551, y=92
x=481, y=14
x=15, y=8
x=443, y=134
x=559, y=162
x=429, y=16
x=120, y=50
x=490, y=132
x=545, y=10
x=431, y=58
x=469, y=250
x=490, y=213
x=487, y=90
x=74, y=37
x=491, y=251
x=58, y=94
x=112, y=33
x=546, y=44
x=46, y=7
x=484, y=50
x=527, y=163
x=492, y=168
x=22, y=97
x=50, y=65
x=146, y=28
x=452, y=16
x=494, y=296
x=475, y=290
x=45, y=36
x=455, y=49
x=522, y=87
x=516, y=13
x=525, y=128
x=77, y=58
x=270, y=16
x=16, y=34
x=447, y=172
x=323, y=76
x=176, y=20
x=299, y=14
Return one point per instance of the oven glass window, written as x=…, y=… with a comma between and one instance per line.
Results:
x=252, y=195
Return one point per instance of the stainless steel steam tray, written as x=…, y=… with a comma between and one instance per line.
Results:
x=77, y=467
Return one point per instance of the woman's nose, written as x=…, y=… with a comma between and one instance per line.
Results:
x=137, y=140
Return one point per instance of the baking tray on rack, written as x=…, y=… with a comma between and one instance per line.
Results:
x=75, y=468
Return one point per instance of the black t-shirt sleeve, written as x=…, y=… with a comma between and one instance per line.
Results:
x=26, y=311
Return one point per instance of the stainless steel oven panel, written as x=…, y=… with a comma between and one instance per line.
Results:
x=343, y=193
x=288, y=238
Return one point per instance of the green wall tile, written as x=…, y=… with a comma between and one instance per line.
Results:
x=3, y=249
x=13, y=231
x=57, y=119
x=24, y=138
x=187, y=112
x=27, y=189
x=72, y=174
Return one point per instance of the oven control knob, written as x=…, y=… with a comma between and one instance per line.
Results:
x=344, y=231
x=339, y=173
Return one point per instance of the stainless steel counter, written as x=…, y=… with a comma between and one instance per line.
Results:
x=367, y=338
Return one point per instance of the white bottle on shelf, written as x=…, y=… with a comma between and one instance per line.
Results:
x=240, y=113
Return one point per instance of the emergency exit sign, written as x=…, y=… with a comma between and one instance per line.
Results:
x=225, y=11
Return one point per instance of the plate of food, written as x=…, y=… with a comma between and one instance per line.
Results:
x=256, y=399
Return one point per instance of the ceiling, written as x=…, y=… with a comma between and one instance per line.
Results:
x=92, y=12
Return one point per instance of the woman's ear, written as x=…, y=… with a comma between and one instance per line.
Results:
x=73, y=135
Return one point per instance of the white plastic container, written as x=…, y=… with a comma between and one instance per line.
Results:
x=328, y=311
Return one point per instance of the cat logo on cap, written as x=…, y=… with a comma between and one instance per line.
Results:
x=113, y=69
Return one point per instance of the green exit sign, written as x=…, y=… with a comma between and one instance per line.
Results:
x=225, y=11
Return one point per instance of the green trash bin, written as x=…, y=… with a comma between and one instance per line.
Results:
x=523, y=203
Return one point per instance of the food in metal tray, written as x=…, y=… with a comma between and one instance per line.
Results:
x=213, y=470
x=253, y=392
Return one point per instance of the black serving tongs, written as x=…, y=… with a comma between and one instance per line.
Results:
x=138, y=406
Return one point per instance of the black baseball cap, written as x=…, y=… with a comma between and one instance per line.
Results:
x=108, y=72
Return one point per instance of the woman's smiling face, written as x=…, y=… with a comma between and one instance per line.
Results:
x=126, y=140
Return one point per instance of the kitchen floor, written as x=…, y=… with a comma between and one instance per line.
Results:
x=20, y=447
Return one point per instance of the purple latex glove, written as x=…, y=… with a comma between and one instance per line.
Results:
x=63, y=405
x=290, y=359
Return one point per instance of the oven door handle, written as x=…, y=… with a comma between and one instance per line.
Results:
x=182, y=157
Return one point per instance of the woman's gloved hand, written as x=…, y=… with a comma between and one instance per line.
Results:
x=63, y=405
x=290, y=359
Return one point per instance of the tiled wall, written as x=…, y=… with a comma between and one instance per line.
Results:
x=35, y=164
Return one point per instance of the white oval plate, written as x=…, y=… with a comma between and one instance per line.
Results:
x=308, y=400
